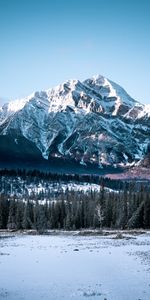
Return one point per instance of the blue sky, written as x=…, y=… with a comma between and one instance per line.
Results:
x=44, y=42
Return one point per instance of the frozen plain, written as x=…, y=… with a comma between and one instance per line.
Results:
x=68, y=266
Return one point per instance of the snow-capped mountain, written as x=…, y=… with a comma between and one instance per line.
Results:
x=94, y=121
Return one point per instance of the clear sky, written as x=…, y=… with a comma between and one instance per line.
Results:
x=45, y=42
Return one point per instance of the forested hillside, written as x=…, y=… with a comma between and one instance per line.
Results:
x=34, y=200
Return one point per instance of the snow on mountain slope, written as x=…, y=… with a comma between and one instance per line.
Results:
x=145, y=112
x=11, y=107
x=92, y=121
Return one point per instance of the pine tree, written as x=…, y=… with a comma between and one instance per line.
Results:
x=19, y=214
x=12, y=216
x=27, y=222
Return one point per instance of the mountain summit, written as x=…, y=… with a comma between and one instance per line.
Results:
x=94, y=121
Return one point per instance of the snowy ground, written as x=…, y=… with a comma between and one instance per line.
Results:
x=69, y=267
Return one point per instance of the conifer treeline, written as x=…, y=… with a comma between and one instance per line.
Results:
x=36, y=176
x=73, y=210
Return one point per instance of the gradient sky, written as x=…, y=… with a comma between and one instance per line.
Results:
x=45, y=42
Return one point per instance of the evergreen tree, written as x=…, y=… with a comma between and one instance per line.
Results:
x=27, y=222
x=12, y=216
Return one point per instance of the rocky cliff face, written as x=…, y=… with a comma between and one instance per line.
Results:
x=93, y=121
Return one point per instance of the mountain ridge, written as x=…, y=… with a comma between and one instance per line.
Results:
x=94, y=121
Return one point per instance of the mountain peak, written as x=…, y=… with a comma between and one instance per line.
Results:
x=108, y=88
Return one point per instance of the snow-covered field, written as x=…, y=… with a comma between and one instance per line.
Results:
x=75, y=267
